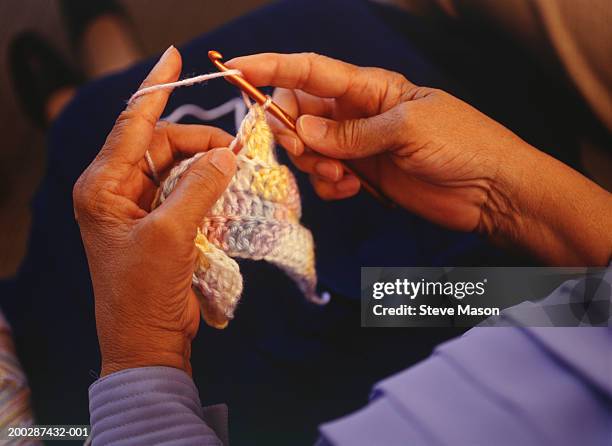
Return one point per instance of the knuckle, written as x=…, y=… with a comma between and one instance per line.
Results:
x=86, y=193
x=401, y=86
x=287, y=99
x=306, y=73
x=130, y=116
x=311, y=56
x=123, y=119
x=350, y=134
x=398, y=80
x=281, y=94
x=418, y=92
x=79, y=193
x=92, y=203
x=98, y=201
x=434, y=92
x=91, y=192
x=404, y=115
x=321, y=189
x=301, y=164
x=384, y=88
x=205, y=181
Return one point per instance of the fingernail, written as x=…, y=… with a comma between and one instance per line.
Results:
x=312, y=127
x=348, y=184
x=289, y=142
x=328, y=170
x=164, y=56
x=223, y=159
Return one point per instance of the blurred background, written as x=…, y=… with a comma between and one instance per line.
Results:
x=156, y=23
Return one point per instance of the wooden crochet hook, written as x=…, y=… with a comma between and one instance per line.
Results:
x=280, y=114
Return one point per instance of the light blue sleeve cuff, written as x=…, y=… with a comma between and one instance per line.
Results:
x=153, y=405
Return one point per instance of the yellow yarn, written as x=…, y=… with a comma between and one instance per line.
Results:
x=260, y=138
x=272, y=183
x=201, y=243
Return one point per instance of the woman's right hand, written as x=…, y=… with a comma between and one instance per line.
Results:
x=425, y=149
x=432, y=153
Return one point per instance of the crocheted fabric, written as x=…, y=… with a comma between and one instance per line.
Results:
x=256, y=218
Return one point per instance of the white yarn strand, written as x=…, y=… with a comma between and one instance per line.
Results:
x=235, y=105
x=184, y=83
x=151, y=164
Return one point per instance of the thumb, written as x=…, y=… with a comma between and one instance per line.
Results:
x=199, y=188
x=353, y=138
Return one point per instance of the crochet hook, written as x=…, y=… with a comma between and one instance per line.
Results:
x=280, y=114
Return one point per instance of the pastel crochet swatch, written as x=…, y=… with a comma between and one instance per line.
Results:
x=258, y=218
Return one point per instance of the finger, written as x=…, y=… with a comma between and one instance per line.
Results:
x=174, y=142
x=296, y=103
x=314, y=105
x=132, y=133
x=313, y=73
x=198, y=190
x=287, y=100
x=315, y=164
x=347, y=187
x=310, y=72
x=354, y=138
x=324, y=77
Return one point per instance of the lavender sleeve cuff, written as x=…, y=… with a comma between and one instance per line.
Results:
x=153, y=405
x=491, y=386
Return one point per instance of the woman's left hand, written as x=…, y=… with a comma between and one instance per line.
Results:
x=142, y=260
